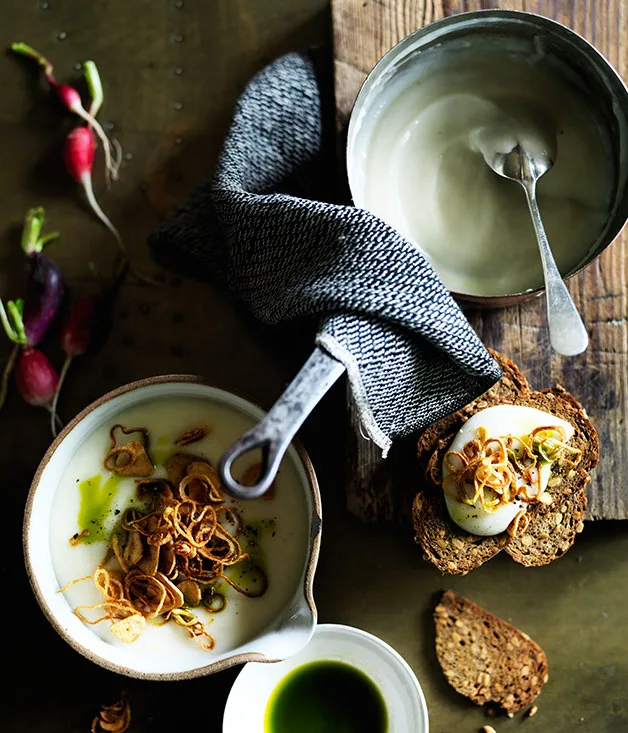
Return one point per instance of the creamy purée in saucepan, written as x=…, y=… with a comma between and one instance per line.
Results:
x=421, y=169
x=282, y=523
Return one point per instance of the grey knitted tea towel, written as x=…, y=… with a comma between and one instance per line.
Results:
x=263, y=228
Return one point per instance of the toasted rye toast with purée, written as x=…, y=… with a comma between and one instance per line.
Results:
x=551, y=527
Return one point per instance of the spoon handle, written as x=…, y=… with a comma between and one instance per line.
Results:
x=568, y=334
x=275, y=430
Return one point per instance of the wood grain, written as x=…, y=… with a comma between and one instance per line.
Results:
x=363, y=30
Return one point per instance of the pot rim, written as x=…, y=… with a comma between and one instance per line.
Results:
x=497, y=14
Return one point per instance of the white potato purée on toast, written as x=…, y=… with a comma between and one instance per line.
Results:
x=510, y=452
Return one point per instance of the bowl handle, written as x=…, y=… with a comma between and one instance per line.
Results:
x=292, y=634
x=277, y=428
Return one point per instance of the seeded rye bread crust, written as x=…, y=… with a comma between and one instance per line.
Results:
x=485, y=658
x=552, y=528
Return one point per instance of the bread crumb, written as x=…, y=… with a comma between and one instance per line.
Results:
x=488, y=729
x=532, y=711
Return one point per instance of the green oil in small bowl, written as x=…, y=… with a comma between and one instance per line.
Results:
x=326, y=697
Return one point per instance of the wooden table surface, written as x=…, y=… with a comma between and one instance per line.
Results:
x=172, y=71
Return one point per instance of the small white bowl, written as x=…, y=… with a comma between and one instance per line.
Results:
x=397, y=683
x=288, y=630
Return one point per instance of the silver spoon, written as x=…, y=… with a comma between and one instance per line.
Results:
x=568, y=336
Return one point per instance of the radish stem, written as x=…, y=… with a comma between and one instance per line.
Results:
x=92, y=77
x=94, y=85
x=48, y=238
x=23, y=50
x=15, y=331
x=32, y=241
x=54, y=418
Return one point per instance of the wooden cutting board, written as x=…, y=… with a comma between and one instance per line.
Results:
x=363, y=30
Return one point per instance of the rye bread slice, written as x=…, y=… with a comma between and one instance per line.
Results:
x=552, y=528
x=484, y=658
x=446, y=545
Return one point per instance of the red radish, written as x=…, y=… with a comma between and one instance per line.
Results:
x=71, y=100
x=78, y=156
x=76, y=335
x=76, y=330
x=36, y=378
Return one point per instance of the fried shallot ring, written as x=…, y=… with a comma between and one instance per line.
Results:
x=127, y=431
x=130, y=459
x=185, y=618
x=201, y=487
x=193, y=435
x=114, y=718
x=519, y=524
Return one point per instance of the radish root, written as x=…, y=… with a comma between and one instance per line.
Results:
x=6, y=373
x=55, y=420
x=93, y=202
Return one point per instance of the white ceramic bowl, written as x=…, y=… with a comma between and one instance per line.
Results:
x=288, y=631
x=400, y=689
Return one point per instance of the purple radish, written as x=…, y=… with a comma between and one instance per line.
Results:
x=43, y=297
x=45, y=287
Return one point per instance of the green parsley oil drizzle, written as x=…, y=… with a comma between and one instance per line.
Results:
x=96, y=500
x=250, y=574
x=326, y=695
